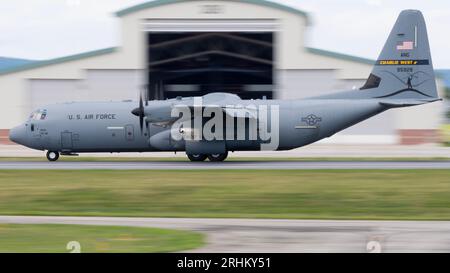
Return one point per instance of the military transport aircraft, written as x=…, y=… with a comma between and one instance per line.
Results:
x=212, y=125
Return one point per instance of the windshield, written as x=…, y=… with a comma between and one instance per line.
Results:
x=40, y=114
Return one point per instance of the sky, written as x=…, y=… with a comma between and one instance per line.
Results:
x=44, y=29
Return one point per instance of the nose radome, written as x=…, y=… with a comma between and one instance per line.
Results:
x=18, y=135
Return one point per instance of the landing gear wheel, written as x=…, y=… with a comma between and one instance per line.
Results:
x=196, y=157
x=52, y=156
x=218, y=157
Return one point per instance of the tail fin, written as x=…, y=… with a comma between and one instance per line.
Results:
x=404, y=70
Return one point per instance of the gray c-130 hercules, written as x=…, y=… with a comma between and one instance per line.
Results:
x=402, y=76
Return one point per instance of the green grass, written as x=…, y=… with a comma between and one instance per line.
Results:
x=54, y=239
x=231, y=158
x=310, y=194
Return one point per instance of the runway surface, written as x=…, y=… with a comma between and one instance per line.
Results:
x=225, y=165
x=245, y=235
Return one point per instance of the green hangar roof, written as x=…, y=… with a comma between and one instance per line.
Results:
x=38, y=64
x=157, y=3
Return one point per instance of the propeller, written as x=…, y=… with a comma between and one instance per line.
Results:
x=139, y=112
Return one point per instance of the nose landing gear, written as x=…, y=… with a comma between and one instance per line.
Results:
x=52, y=156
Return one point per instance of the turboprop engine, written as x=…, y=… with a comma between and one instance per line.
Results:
x=165, y=142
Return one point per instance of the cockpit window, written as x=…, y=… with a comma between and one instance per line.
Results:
x=40, y=114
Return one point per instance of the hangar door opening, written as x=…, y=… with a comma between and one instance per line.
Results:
x=194, y=58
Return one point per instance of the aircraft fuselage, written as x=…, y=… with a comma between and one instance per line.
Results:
x=111, y=127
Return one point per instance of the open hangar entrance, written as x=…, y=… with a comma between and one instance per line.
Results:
x=197, y=57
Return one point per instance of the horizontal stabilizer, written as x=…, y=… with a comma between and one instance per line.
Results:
x=406, y=102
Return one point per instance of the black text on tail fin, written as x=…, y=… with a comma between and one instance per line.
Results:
x=404, y=69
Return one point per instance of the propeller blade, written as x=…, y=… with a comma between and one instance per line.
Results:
x=141, y=114
x=146, y=96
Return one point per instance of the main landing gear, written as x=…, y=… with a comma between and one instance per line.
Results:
x=196, y=157
x=52, y=156
x=211, y=157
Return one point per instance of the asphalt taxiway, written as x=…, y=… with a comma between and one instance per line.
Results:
x=181, y=165
x=262, y=235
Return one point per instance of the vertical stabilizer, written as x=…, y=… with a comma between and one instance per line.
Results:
x=404, y=69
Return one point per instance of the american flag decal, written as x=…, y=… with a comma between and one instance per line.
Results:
x=406, y=45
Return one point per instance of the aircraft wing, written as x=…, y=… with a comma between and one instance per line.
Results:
x=230, y=104
x=159, y=112
x=232, y=111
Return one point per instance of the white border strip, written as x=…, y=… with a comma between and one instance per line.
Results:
x=210, y=25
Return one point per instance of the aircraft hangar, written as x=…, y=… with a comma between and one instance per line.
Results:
x=253, y=48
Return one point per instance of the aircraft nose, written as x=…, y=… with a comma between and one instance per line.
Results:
x=18, y=135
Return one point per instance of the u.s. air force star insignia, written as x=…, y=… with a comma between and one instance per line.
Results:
x=312, y=120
